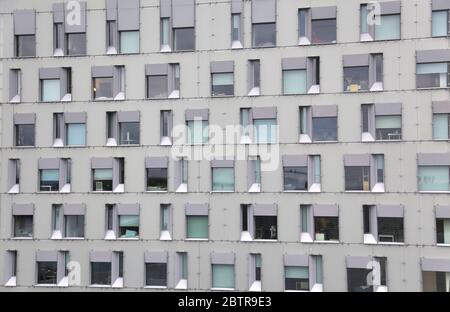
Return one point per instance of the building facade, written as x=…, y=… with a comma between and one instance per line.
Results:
x=334, y=117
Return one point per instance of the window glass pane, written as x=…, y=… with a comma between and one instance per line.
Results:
x=100, y=273
x=129, y=42
x=23, y=226
x=26, y=45
x=76, y=44
x=56, y=218
x=440, y=126
x=103, y=88
x=103, y=174
x=324, y=128
x=323, y=31
x=51, y=90
x=197, y=226
x=165, y=218
x=157, y=86
x=74, y=226
x=49, y=180
x=304, y=211
x=198, y=132
x=357, y=280
x=156, y=274
x=356, y=78
x=317, y=174
x=319, y=269
x=390, y=229
x=236, y=25
x=432, y=68
x=129, y=132
x=433, y=75
x=257, y=170
x=128, y=226
x=295, y=178
x=76, y=134
x=389, y=27
x=157, y=179
x=265, y=227
x=439, y=22
x=184, y=39
x=184, y=265
x=296, y=278
x=165, y=26
x=223, y=179
x=223, y=276
x=326, y=228
x=363, y=21
x=434, y=178
x=46, y=272
x=294, y=81
x=264, y=35
x=388, y=127
x=25, y=135
x=266, y=130
x=223, y=84
x=302, y=20
x=357, y=178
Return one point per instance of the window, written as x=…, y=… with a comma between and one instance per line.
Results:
x=301, y=173
x=366, y=274
x=236, y=32
x=383, y=224
x=11, y=268
x=166, y=121
x=254, y=174
x=317, y=25
x=197, y=131
x=181, y=272
x=440, y=20
x=24, y=33
x=318, y=123
x=25, y=46
x=49, y=180
x=165, y=222
x=129, y=42
x=222, y=78
x=46, y=272
x=129, y=133
x=157, y=179
x=100, y=273
x=15, y=85
x=266, y=130
x=197, y=227
x=256, y=274
x=76, y=44
x=25, y=135
x=296, y=278
x=364, y=173
x=432, y=75
x=13, y=176
x=264, y=35
x=163, y=80
x=165, y=34
x=181, y=175
x=381, y=121
x=435, y=281
x=23, y=226
x=55, y=84
x=111, y=37
x=388, y=127
x=108, y=83
x=184, y=39
x=68, y=221
x=324, y=129
x=102, y=179
x=222, y=175
x=74, y=226
x=363, y=72
x=382, y=23
x=326, y=228
x=156, y=274
x=223, y=276
x=442, y=225
x=441, y=126
x=50, y=90
x=265, y=227
x=54, y=174
x=319, y=223
x=128, y=226
x=76, y=134
x=434, y=178
x=123, y=127
x=254, y=79
x=301, y=75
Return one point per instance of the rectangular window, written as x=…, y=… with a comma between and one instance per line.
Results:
x=324, y=128
x=222, y=84
x=74, y=226
x=13, y=176
x=100, y=273
x=76, y=134
x=103, y=88
x=382, y=23
x=436, y=281
x=432, y=75
x=25, y=135
x=265, y=227
x=49, y=180
x=223, y=179
x=184, y=39
x=317, y=25
x=388, y=28
x=165, y=34
x=156, y=274
x=357, y=280
x=388, y=127
x=11, y=268
x=357, y=178
x=50, y=90
x=197, y=227
x=102, y=180
x=356, y=78
x=294, y=81
x=264, y=35
x=443, y=230
x=76, y=43
x=47, y=272
x=323, y=31
x=390, y=229
x=296, y=278
x=165, y=225
x=157, y=179
x=111, y=35
x=265, y=130
x=223, y=276
x=129, y=42
x=15, y=85
x=166, y=127
x=182, y=270
x=295, y=178
x=129, y=133
x=198, y=131
x=326, y=228
x=236, y=40
x=257, y=267
x=58, y=39
x=157, y=86
x=25, y=45
x=184, y=171
x=441, y=126
x=129, y=226
x=23, y=226
x=434, y=178
x=440, y=21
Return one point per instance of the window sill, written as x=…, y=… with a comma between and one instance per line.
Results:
x=15, y=189
x=215, y=192
x=326, y=242
x=389, y=243
x=433, y=88
x=296, y=191
x=222, y=96
x=73, y=238
x=197, y=239
x=163, y=192
x=363, y=192
x=100, y=286
x=155, y=287
x=22, y=238
x=387, y=141
x=256, y=286
x=235, y=45
x=46, y=285
x=124, y=145
x=317, y=288
x=296, y=291
x=443, y=245
x=165, y=236
x=222, y=289
x=261, y=240
x=12, y=282
x=182, y=284
x=128, y=238
x=434, y=192
x=24, y=147
x=246, y=237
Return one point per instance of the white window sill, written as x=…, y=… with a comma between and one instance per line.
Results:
x=315, y=188
x=306, y=238
x=110, y=235
x=120, y=96
x=304, y=138
x=222, y=289
x=56, y=235
x=24, y=238
x=256, y=286
x=102, y=192
x=165, y=48
x=67, y=98
x=111, y=51
x=163, y=192
x=12, y=282
x=367, y=137
x=255, y=188
x=118, y=283
x=73, y=238
x=64, y=282
x=378, y=188
x=111, y=142
x=65, y=189
x=182, y=188
x=99, y=286
x=58, y=143
x=14, y=190
x=165, y=141
x=182, y=284
x=246, y=237
x=119, y=188
x=391, y=243
x=368, y=192
x=255, y=91
x=265, y=240
x=365, y=37
x=197, y=239
x=304, y=41
x=236, y=45
x=381, y=288
x=314, y=89
x=128, y=238
x=295, y=191
x=443, y=245
x=369, y=239
x=155, y=287
x=165, y=235
x=317, y=288
x=222, y=192
x=326, y=241
x=376, y=87
x=46, y=285
x=175, y=94
x=296, y=291
x=245, y=139
x=434, y=192
x=15, y=99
